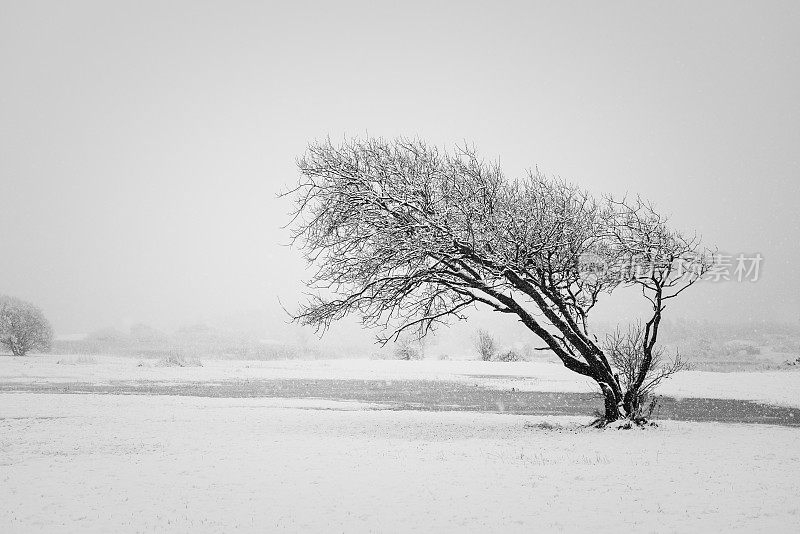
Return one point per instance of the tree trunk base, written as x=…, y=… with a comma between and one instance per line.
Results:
x=622, y=423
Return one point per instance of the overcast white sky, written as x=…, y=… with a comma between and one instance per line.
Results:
x=142, y=143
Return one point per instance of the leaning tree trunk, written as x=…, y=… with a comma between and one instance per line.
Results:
x=611, y=401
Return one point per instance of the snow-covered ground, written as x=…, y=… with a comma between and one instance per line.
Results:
x=104, y=463
x=773, y=387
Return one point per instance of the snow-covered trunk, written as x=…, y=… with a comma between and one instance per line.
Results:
x=611, y=400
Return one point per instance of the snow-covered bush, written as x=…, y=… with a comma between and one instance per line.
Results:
x=178, y=360
x=509, y=355
x=407, y=352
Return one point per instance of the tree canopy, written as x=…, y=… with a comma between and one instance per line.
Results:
x=408, y=236
x=23, y=327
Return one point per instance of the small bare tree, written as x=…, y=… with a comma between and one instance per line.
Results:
x=409, y=346
x=407, y=237
x=627, y=352
x=485, y=345
x=662, y=263
x=23, y=327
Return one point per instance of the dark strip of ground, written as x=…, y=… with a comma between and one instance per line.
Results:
x=429, y=395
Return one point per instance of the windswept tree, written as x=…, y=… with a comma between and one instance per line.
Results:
x=23, y=327
x=407, y=236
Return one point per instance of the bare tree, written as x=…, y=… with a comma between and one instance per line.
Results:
x=407, y=237
x=23, y=327
x=409, y=346
x=663, y=263
x=485, y=345
x=627, y=350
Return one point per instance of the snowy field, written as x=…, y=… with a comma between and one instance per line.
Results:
x=104, y=463
x=146, y=464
